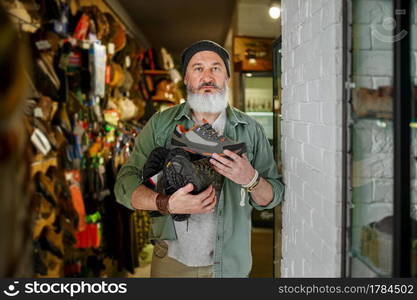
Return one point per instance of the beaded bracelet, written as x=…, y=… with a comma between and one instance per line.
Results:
x=252, y=182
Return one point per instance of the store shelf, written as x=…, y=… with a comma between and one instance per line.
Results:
x=42, y=164
x=164, y=100
x=156, y=72
x=366, y=262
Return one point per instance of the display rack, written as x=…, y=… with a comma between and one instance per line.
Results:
x=42, y=164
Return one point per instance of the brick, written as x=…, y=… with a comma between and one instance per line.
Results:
x=304, y=11
x=332, y=13
x=315, y=5
x=333, y=213
x=331, y=37
x=309, y=112
x=295, y=74
x=331, y=188
x=312, y=69
x=316, y=20
x=323, y=136
x=286, y=128
x=331, y=234
x=331, y=113
x=332, y=62
x=294, y=149
x=313, y=198
x=331, y=88
x=306, y=31
x=300, y=132
x=303, y=54
x=317, y=268
x=317, y=180
x=296, y=37
x=313, y=90
x=304, y=211
x=313, y=238
x=294, y=112
x=312, y=156
x=331, y=164
x=300, y=93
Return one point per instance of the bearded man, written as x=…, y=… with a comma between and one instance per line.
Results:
x=217, y=240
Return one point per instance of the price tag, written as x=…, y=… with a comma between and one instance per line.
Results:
x=127, y=61
x=110, y=48
x=38, y=112
x=43, y=45
x=85, y=44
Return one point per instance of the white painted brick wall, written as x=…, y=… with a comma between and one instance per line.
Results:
x=311, y=137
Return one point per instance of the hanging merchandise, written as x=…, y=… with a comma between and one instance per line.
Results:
x=98, y=69
x=90, y=96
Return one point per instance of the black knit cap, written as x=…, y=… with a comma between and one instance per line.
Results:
x=204, y=45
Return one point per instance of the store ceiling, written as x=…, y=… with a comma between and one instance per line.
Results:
x=175, y=24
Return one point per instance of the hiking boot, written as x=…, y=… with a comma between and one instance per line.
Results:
x=204, y=140
x=180, y=170
x=45, y=215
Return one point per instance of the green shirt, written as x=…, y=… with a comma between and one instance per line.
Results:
x=232, y=251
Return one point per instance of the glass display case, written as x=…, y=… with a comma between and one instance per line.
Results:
x=257, y=99
x=373, y=166
x=257, y=102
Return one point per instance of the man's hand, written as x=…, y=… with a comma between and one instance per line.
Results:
x=238, y=169
x=182, y=202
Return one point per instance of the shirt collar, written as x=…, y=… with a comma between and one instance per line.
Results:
x=231, y=115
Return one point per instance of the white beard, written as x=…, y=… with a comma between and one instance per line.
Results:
x=208, y=102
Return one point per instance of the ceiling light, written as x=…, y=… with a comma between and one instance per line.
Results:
x=274, y=10
x=248, y=74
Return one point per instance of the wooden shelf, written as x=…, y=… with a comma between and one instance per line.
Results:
x=42, y=164
x=156, y=72
x=164, y=100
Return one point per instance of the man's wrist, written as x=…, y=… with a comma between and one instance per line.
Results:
x=252, y=188
x=162, y=203
x=252, y=182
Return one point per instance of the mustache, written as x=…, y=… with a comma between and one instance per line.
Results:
x=208, y=84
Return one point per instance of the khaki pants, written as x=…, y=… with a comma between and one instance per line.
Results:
x=164, y=266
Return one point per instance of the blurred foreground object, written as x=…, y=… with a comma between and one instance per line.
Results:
x=15, y=236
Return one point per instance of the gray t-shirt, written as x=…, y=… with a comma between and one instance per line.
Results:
x=195, y=244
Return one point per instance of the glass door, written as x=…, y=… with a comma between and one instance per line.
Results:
x=371, y=140
x=276, y=85
x=257, y=99
x=382, y=143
